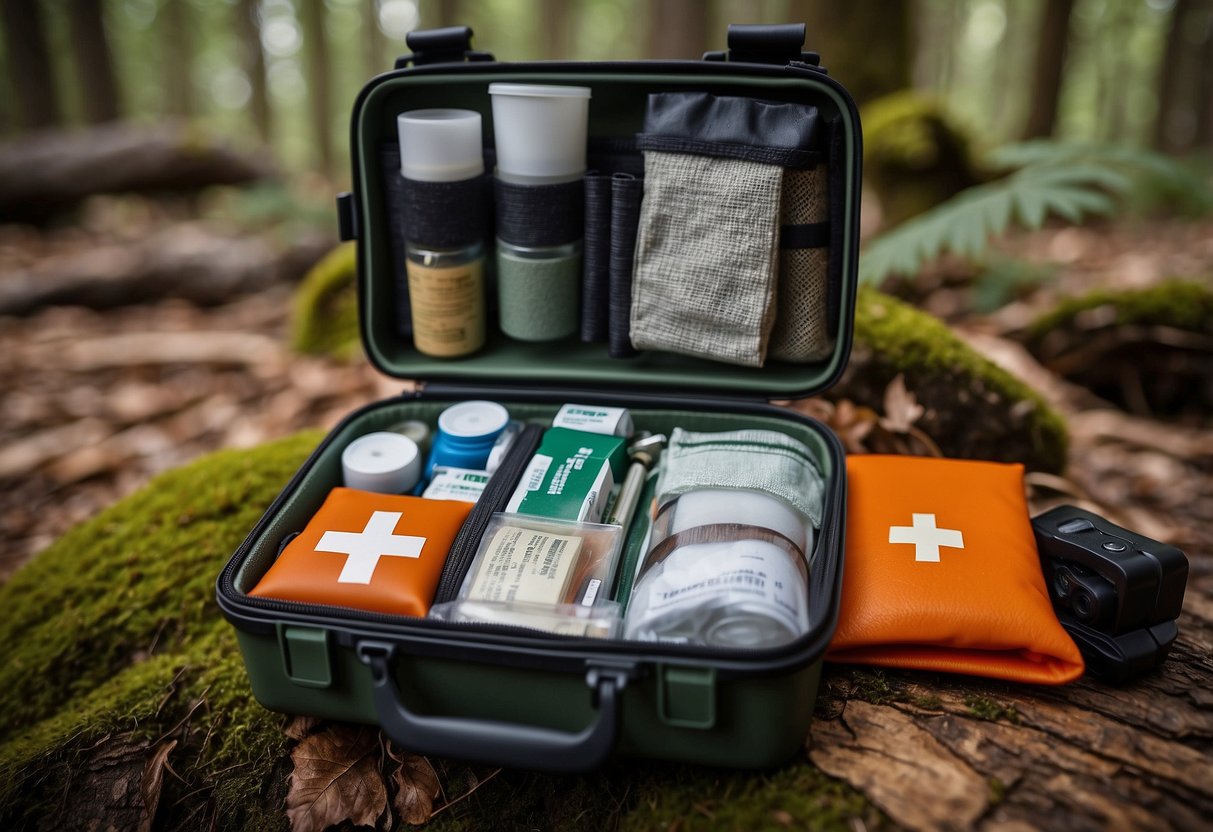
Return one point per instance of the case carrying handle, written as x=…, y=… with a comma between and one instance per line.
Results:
x=766, y=43
x=495, y=742
x=451, y=44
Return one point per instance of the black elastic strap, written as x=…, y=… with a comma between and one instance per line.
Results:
x=540, y=215
x=444, y=215
x=809, y=235
x=596, y=262
x=626, y=193
x=784, y=157
x=393, y=194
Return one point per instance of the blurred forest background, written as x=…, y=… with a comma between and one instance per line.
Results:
x=167, y=170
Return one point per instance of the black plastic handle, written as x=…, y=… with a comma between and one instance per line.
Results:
x=489, y=741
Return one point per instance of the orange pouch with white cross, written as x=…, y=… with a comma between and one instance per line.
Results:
x=377, y=552
x=941, y=573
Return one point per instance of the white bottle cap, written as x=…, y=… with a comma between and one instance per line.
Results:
x=540, y=131
x=468, y=420
x=440, y=145
x=384, y=462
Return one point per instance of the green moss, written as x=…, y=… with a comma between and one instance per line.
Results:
x=325, y=319
x=113, y=630
x=1180, y=304
x=998, y=791
x=985, y=708
x=984, y=411
x=915, y=154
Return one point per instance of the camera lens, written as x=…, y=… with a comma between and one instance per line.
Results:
x=1084, y=605
x=1063, y=583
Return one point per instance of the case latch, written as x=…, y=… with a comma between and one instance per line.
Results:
x=452, y=44
x=305, y=656
x=686, y=697
x=758, y=43
x=347, y=217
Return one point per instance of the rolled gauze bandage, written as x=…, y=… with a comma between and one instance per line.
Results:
x=387, y=463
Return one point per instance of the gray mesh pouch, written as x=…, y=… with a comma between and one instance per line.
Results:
x=801, y=330
x=706, y=257
x=707, y=249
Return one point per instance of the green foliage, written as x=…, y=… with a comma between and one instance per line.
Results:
x=1071, y=181
x=325, y=319
x=1002, y=280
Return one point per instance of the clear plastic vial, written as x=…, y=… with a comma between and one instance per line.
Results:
x=446, y=292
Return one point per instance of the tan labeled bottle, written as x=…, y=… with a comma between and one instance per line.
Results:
x=441, y=156
x=446, y=292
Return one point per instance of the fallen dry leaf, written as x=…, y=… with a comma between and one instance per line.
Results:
x=901, y=407
x=336, y=778
x=153, y=782
x=298, y=727
x=416, y=788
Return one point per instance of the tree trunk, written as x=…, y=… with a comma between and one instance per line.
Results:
x=555, y=29
x=1203, y=100
x=178, y=60
x=373, y=40
x=94, y=62
x=677, y=29
x=29, y=65
x=253, y=61
x=869, y=43
x=317, y=57
x=1045, y=91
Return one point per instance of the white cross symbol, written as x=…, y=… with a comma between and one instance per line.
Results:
x=364, y=548
x=926, y=538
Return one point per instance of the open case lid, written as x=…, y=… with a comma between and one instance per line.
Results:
x=617, y=107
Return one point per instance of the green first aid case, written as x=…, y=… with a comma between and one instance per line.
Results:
x=518, y=697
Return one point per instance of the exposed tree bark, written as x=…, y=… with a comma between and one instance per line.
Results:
x=178, y=60
x=317, y=52
x=29, y=64
x=868, y=43
x=374, y=43
x=677, y=29
x=1045, y=91
x=555, y=29
x=94, y=62
x=253, y=61
x=49, y=171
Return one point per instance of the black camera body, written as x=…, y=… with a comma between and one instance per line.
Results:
x=1116, y=592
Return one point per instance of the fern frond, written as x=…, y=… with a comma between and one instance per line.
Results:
x=1069, y=180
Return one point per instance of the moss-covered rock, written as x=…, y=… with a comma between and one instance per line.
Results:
x=974, y=409
x=1149, y=350
x=325, y=317
x=115, y=647
x=915, y=154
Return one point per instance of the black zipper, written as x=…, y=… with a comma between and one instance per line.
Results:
x=493, y=499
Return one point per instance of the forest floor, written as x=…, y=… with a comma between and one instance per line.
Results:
x=95, y=402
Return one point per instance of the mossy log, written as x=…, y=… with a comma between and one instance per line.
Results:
x=1148, y=350
x=53, y=170
x=125, y=704
x=325, y=316
x=915, y=154
x=974, y=409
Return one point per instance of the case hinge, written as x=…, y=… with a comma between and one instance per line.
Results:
x=686, y=696
x=347, y=217
x=305, y=655
x=452, y=44
x=756, y=43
